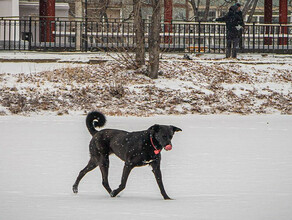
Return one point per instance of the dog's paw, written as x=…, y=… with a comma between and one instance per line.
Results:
x=113, y=193
x=75, y=189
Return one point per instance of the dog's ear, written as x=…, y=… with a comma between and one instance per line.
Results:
x=176, y=129
x=154, y=128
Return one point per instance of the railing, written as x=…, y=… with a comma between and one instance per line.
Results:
x=56, y=34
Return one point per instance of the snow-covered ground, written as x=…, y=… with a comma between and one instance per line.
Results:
x=221, y=168
x=33, y=67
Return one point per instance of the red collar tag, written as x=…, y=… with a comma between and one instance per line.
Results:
x=156, y=151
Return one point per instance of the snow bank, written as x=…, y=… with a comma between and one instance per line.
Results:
x=199, y=86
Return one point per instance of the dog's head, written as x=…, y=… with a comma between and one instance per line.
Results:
x=162, y=135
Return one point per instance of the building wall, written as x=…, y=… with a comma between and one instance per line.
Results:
x=32, y=9
x=123, y=9
x=9, y=8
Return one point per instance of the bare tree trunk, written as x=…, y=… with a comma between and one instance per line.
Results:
x=252, y=11
x=246, y=7
x=102, y=10
x=154, y=39
x=207, y=9
x=78, y=15
x=139, y=33
x=195, y=9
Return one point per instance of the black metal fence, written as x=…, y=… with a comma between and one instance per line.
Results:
x=59, y=34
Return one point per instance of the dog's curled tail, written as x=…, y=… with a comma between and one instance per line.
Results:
x=95, y=119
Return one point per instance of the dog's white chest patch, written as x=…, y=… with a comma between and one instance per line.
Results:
x=147, y=161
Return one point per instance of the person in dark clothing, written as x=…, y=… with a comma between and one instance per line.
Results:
x=234, y=24
x=239, y=12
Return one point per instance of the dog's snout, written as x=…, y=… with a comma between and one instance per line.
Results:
x=168, y=147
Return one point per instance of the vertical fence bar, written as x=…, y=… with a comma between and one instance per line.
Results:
x=19, y=39
x=273, y=39
x=56, y=34
x=92, y=37
x=96, y=35
x=287, y=38
x=107, y=34
x=4, y=46
x=199, y=43
x=101, y=25
x=204, y=38
x=9, y=34
x=164, y=39
x=117, y=32
x=219, y=40
x=283, y=38
x=224, y=38
x=112, y=40
x=80, y=28
x=133, y=34
x=75, y=28
x=86, y=32
x=248, y=37
x=214, y=37
x=29, y=34
x=259, y=37
x=169, y=37
x=45, y=34
x=184, y=38
x=65, y=35
x=189, y=36
x=269, y=31
x=24, y=30
x=60, y=34
x=194, y=37
x=263, y=34
x=128, y=34
x=253, y=36
x=209, y=38
x=278, y=43
x=70, y=35
x=241, y=40
x=14, y=37
x=263, y=43
x=35, y=33
x=174, y=38
x=179, y=28
x=123, y=33
x=50, y=33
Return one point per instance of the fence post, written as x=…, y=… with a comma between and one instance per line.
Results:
x=199, y=41
x=29, y=34
x=253, y=36
x=86, y=34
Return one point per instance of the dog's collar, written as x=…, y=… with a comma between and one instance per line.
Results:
x=156, y=151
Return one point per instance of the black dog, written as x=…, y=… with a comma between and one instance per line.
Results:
x=134, y=148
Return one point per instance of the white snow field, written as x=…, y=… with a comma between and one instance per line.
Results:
x=221, y=167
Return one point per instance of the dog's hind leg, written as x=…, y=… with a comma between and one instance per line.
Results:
x=90, y=166
x=104, y=166
x=126, y=172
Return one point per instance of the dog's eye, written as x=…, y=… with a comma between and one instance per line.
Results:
x=164, y=136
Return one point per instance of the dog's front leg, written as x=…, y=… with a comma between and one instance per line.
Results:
x=126, y=172
x=157, y=172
